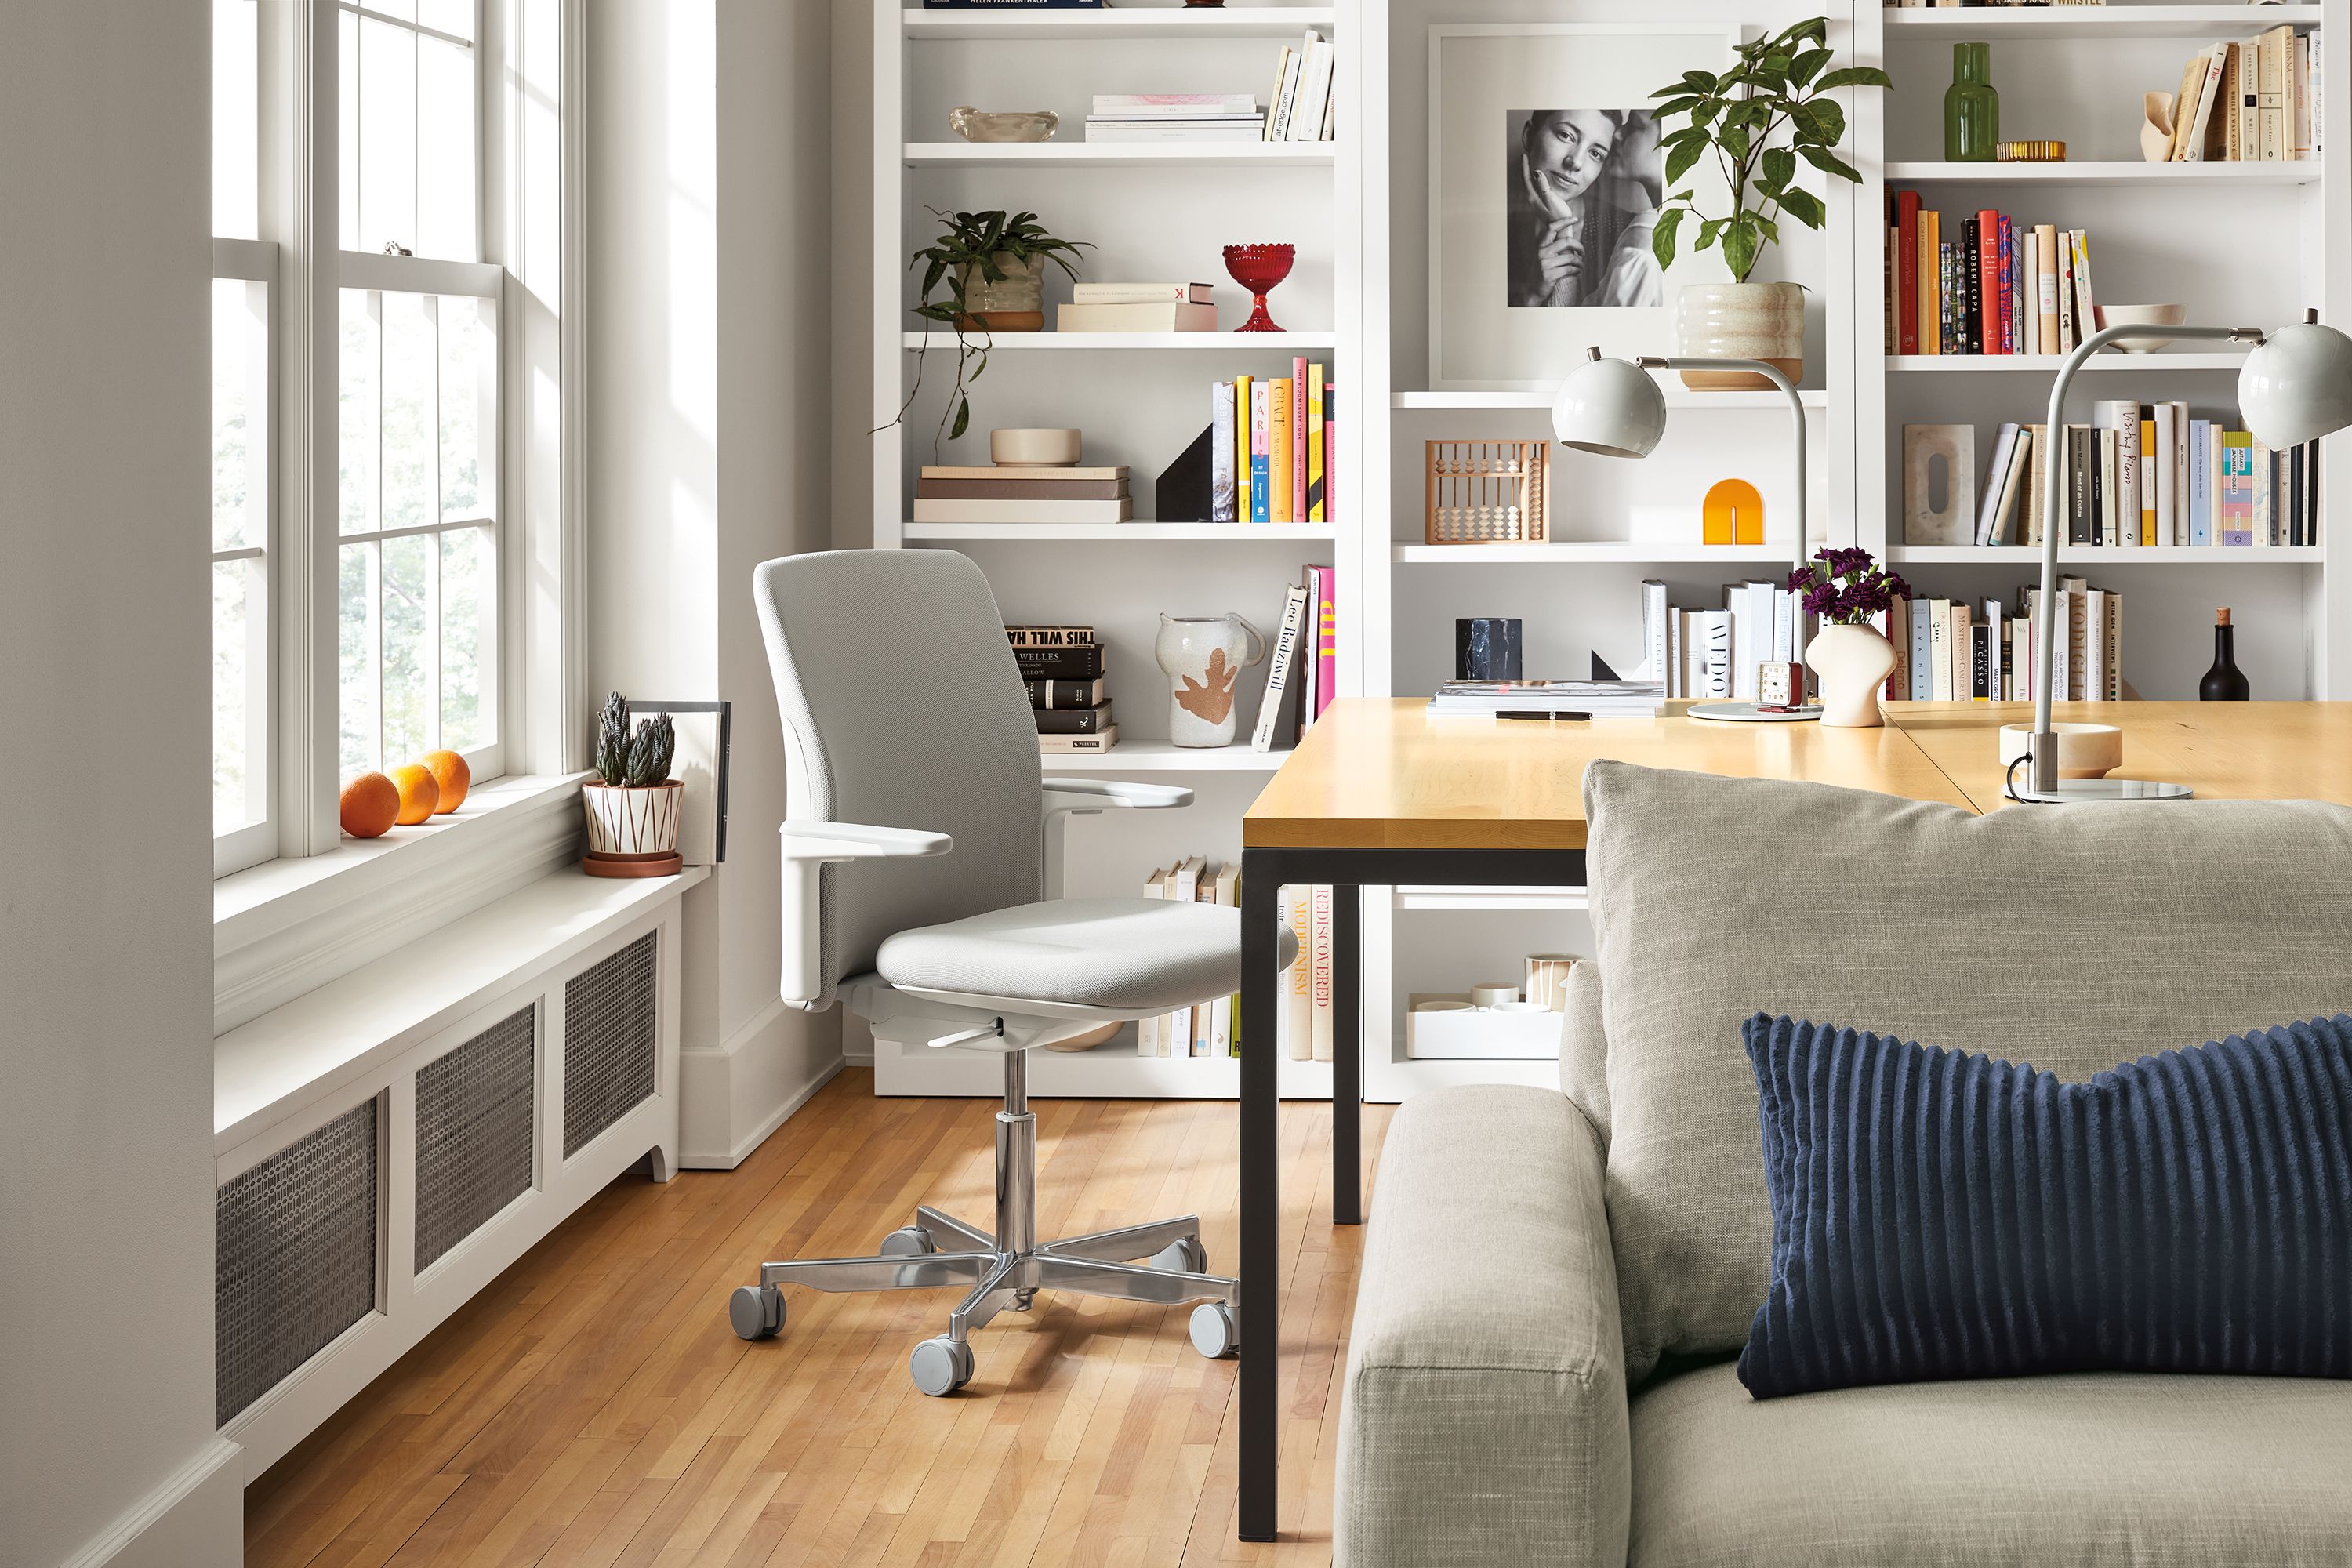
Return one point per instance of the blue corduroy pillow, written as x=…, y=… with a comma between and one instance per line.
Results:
x=1936, y=1215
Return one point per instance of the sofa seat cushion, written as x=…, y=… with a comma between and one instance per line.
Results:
x=2092, y=1468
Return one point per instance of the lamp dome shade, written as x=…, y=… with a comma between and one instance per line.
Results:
x=2296, y=385
x=1611, y=407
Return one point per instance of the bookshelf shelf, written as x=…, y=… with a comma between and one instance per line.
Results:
x=1633, y=552
x=1489, y=898
x=2302, y=172
x=1676, y=396
x=1121, y=154
x=1128, y=24
x=1062, y=532
x=2098, y=21
x=2047, y=364
x=2106, y=555
x=1283, y=343
x=1164, y=757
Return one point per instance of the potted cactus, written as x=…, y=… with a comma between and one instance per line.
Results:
x=632, y=804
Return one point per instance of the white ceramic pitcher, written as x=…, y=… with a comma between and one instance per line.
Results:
x=1204, y=657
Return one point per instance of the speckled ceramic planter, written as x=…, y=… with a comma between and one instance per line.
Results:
x=1741, y=321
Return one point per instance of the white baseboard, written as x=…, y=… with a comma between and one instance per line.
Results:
x=733, y=1094
x=195, y=1520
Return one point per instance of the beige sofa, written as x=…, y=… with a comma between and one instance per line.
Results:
x=1554, y=1284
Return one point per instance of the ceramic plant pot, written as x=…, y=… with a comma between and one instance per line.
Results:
x=1204, y=657
x=1853, y=663
x=623, y=821
x=1741, y=321
x=1016, y=303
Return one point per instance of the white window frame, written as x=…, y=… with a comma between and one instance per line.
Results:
x=529, y=60
x=255, y=262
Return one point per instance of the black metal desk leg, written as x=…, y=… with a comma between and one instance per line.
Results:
x=1346, y=1055
x=1260, y=1196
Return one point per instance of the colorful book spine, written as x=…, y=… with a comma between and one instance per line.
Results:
x=1906, y=272
x=1222, y=495
x=1261, y=475
x=1330, y=454
x=1295, y=451
x=1277, y=449
x=1244, y=474
x=2237, y=489
x=1326, y=642
x=1315, y=508
x=2200, y=483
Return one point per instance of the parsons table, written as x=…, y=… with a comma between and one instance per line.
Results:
x=1380, y=793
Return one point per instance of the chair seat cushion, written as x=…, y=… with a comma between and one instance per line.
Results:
x=1120, y=954
x=2147, y=1469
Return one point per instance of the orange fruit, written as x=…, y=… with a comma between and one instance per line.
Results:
x=453, y=777
x=418, y=794
x=371, y=801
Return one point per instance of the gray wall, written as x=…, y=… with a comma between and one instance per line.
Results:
x=106, y=1080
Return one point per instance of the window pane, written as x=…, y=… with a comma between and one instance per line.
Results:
x=347, y=137
x=468, y=638
x=359, y=640
x=448, y=15
x=237, y=139
x=360, y=367
x=387, y=131
x=445, y=150
x=240, y=396
x=469, y=368
x=239, y=701
x=410, y=448
x=403, y=9
x=411, y=672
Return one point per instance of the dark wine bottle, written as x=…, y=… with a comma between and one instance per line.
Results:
x=2225, y=683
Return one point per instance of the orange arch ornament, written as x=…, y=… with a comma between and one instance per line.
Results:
x=1733, y=514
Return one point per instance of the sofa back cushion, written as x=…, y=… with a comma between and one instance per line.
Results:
x=2074, y=938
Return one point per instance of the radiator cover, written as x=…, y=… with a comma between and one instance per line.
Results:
x=610, y=1035
x=474, y=1127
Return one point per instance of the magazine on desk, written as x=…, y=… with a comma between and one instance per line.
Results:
x=1550, y=698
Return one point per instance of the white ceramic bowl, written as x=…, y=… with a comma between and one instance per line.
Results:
x=2084, y=750
x=1034, y=448
x=2142, y=316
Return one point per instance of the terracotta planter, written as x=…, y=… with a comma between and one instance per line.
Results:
x=1741, y=321
x=1017, y=304
x=632, y=831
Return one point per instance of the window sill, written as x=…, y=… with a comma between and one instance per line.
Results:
x=289, y=926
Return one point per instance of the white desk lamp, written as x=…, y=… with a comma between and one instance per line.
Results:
x=1613, y=407
x=2295, y=386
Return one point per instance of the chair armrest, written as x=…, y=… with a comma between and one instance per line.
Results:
x=823, y=841
x=1482, y=1420
x=808, y=847
x=1111, y=795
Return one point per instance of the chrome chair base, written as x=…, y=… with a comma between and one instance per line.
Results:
x=1006, y=1268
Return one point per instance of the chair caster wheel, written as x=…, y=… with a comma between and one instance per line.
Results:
x=940, y=1366
x=1216, y=1334
x=907, y=1241
x=1184, y=1256
x=757, y=1311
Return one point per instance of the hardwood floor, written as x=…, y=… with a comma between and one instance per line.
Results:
x=592, y=1406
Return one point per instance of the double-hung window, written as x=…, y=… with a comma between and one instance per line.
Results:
x=383, y=458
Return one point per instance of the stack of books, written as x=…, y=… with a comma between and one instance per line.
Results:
x=1952, y=650
x=1986, y=284
x=1303, y=676
x=1175, y=117
x=1005, y=494
x=1550, y=698
x=1713, y=653
x=2251, y=102
x=1303, y=107
x=1211, y=1028
x=1137, y=307
x=1273, y=442
x=1062, y=668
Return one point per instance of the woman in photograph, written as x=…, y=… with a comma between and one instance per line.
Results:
x=1584, y=194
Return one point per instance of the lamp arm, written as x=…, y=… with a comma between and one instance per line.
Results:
x=1770, y=372
x=2043, y=745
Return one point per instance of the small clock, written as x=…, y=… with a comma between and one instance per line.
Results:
x=1780, y=684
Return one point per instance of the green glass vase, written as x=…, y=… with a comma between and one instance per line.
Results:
x=1971, y=106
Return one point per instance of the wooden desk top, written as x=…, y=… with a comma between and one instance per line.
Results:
x=2223, y=751
x=1380, y=773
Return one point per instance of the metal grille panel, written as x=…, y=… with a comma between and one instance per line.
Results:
x=293, y=1256
x=474, y=1132
x=610, y=1023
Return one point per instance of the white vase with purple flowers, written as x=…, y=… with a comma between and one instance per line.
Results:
x=1847, y=591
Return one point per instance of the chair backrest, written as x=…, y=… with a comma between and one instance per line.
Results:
x=2074, y=938
x=902, y=708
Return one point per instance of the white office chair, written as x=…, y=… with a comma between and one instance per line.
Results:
x=920, y=842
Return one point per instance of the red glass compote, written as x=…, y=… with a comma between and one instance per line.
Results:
x=1259, y=268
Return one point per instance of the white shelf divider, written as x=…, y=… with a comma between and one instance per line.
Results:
x=1120, y=154
x=2077, y=21
x=1062, y=532
x=2157, y=362
x=2106, y=555
x=2304, y=172
x=1123, y=25
x=1283, y=343
x=1632, y=553
x=1676, y=396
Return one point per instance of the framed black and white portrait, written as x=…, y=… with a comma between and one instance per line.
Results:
x=1546, y=177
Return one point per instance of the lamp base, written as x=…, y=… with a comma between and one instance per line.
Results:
x=2071, y=790
x=1749, y=713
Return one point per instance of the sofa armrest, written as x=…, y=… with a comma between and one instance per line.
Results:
x=1483, y=1419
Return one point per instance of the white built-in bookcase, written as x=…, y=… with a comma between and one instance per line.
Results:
x=2250, y=244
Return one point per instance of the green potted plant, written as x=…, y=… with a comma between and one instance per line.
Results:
x=1760, y=119
x=994, y=265
x=632, y=804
